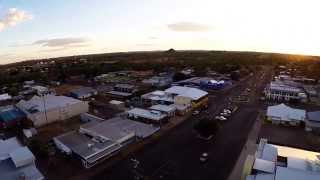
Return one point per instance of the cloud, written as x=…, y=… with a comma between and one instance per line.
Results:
x=13, y=17
x=63, y=42
x=188, y=27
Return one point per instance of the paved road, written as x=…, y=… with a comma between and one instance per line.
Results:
x=176, y=155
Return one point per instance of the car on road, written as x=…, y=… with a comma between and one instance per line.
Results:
x=227, y=111
x=195, y=113
x=221, y=118
x=225, y=114
x=204, y=157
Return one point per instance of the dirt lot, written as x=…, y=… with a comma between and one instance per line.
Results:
x=65, y=88
x=290, y=136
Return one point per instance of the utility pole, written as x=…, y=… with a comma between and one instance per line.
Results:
x=44, y=106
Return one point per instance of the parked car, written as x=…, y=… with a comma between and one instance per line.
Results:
x=221, y=118
x=225, y=114
x=227, y=111
x=204, y=157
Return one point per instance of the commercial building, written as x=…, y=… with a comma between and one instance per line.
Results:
x=280, y=91
x=97, y=141
x=313, y=122
x=272, y=162
x=147, y=116
x=169, y=110
x=83, y=93
x=185, y=97
x=282, y=114
x=157, y=97
x=17, y=162
x=10, y=116
x=47, y=109
x=202, y=82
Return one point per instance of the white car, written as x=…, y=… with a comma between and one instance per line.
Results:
x=204, y=157
x=221, y=118
x=225, y=114
x=195, y=113
x=227, y=111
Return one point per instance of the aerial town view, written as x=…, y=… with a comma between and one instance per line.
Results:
x=159, y=90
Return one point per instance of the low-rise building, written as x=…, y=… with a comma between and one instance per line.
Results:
x=279, y=91
x=122, y=91
x=313, y=122
x=5, y=97
x=97, y=141
x=169, y=110
x=47, y=109
x=40, y=90
x=272, y=162
x=157, y=97
x=188, y=97
x=83, y=93
x=158, y=81
x=183, y=98
x=17, y=161
x=147, y=116
x=11, y=116
x=282, y=114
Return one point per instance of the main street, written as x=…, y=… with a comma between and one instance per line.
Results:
x=176, y=155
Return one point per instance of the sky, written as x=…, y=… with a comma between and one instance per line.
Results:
x=34, y=29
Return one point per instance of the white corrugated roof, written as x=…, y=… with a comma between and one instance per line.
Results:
x=148, y=114
x=294, y=174
x=286, y=113
x=7, y=146
x=192, y=93
x=264, y=165
x=163, y=108
x=4, y=97
x=22, y=156
x=50, y=101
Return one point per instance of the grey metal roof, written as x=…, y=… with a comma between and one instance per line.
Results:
x=116, y=128
x=85, y=146
x=314, y=116
x=148, y=114
x=8, y=171
x=83, y=91
x=295, y=174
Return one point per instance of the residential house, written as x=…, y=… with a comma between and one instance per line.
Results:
x=47, y=109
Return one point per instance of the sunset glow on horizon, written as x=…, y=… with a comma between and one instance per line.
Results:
x=31, y=29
